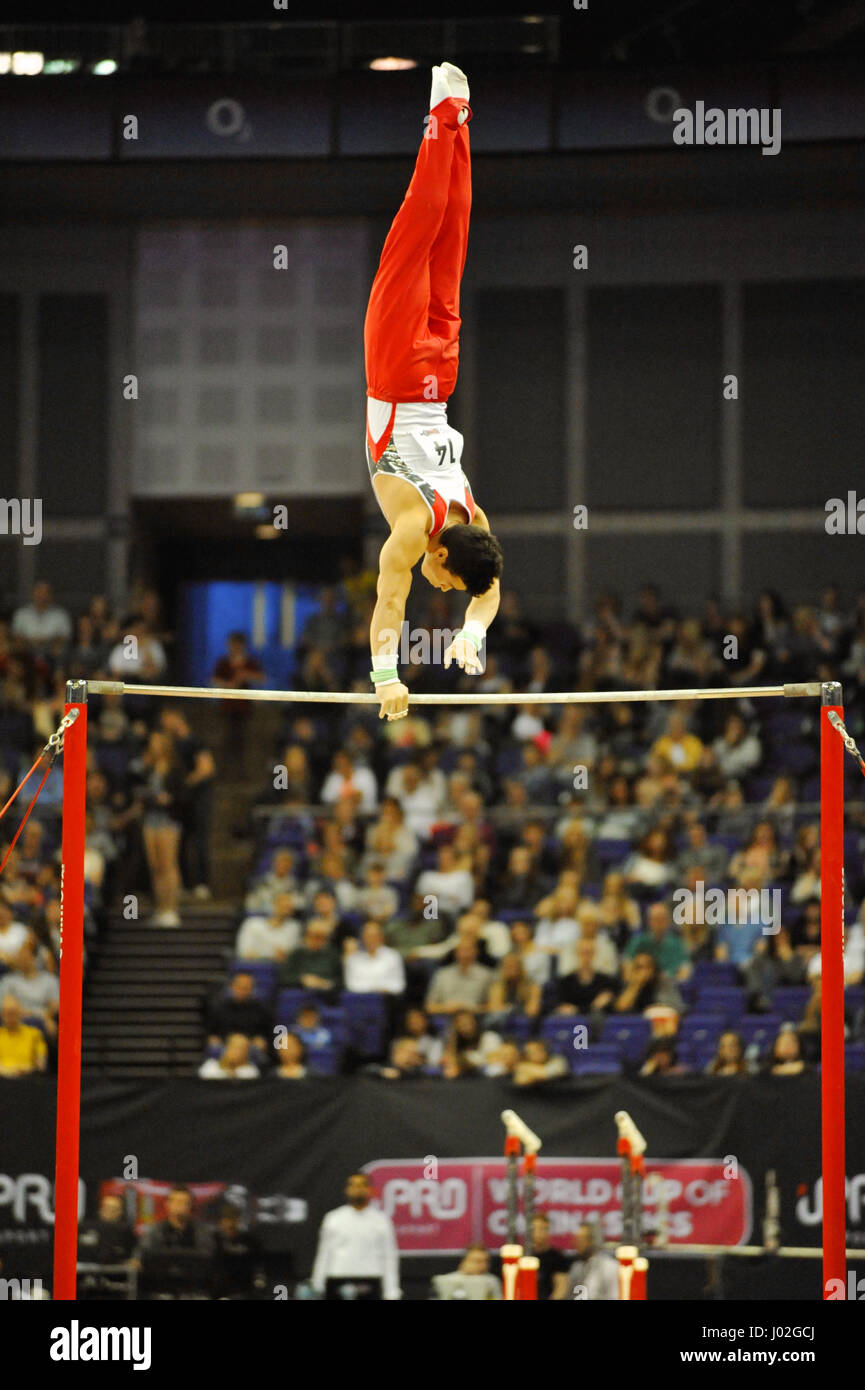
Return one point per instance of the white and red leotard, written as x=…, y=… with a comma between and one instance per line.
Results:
x=411, y=332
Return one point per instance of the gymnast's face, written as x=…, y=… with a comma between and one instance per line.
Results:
x=434, y=571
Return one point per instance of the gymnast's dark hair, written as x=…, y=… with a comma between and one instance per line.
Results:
x=474, y=556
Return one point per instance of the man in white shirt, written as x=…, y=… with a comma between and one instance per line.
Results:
x=376, y=968
x=854, y=957
x=421, y=795
x=137, y=656
x=349, y=780
x=357, y=1242
x=463, y=985
x=377, y=899
x=594, y=1275
x=557, y=929
x=606, y=957
x=13, y=935
x=452, y=888
x=42, y=621
x=37, y=990
x=281, y=879
x=270, y=938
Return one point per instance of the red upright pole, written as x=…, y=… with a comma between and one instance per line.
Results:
x=832, y=989
x=71, y=971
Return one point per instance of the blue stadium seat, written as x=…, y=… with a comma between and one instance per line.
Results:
x=728, y=842
x=784, y=722
x=517, y=1026
x=761, y=1029
x=714, y=972
x=324, y=1061
x=509, y=761
x=688, y=991
x=696, y=1053
x=611, y=851
x=702, y=1027
x=758, y=788
x=558, y=1033
x=854, y=1057
x=631, y=1032
x=112, y=759
x=789, y=1001
x=366, y=1022
x=727, y=1000
x=289, y=1002
x=794, y=759
x=598, y=1059
x=854, y=998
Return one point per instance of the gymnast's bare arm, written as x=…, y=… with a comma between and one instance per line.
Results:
x=400, y=553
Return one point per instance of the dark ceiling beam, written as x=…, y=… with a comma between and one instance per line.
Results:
x=823, y=35
x=659, y=181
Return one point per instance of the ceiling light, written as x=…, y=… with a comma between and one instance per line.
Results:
x=392, y=64
x=27, y=64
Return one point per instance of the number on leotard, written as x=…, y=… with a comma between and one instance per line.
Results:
x=441, y=450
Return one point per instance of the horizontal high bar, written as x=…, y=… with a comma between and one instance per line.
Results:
x=551, y=697
x=784, y=1252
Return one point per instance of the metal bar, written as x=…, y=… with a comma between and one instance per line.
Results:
x=786, y=1252
x=551, y=697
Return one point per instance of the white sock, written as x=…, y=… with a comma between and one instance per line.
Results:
x=440, y=89
x=456, y=80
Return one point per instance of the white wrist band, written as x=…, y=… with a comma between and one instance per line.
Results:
x=477, y=630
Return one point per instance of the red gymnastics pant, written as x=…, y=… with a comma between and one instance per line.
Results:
x=411, y=332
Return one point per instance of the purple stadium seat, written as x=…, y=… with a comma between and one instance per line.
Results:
x=558, y=1033
x=631, y=1032
x=612, y=851
x=854, y=998
x=598, y=1059
x=517, y=1026
x=789, y=1001
x=713, y=972
x=728, y=842
x=113, y=760
x=759, y=787
x=688, y=991
x=854, y=1057
x=761, y=1029
x=783, y=725
x=702, y=1028
x=696, y=1053
x=728, y=1000
x=290, y=1001
x=366, y=1022
x=324, y=1061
